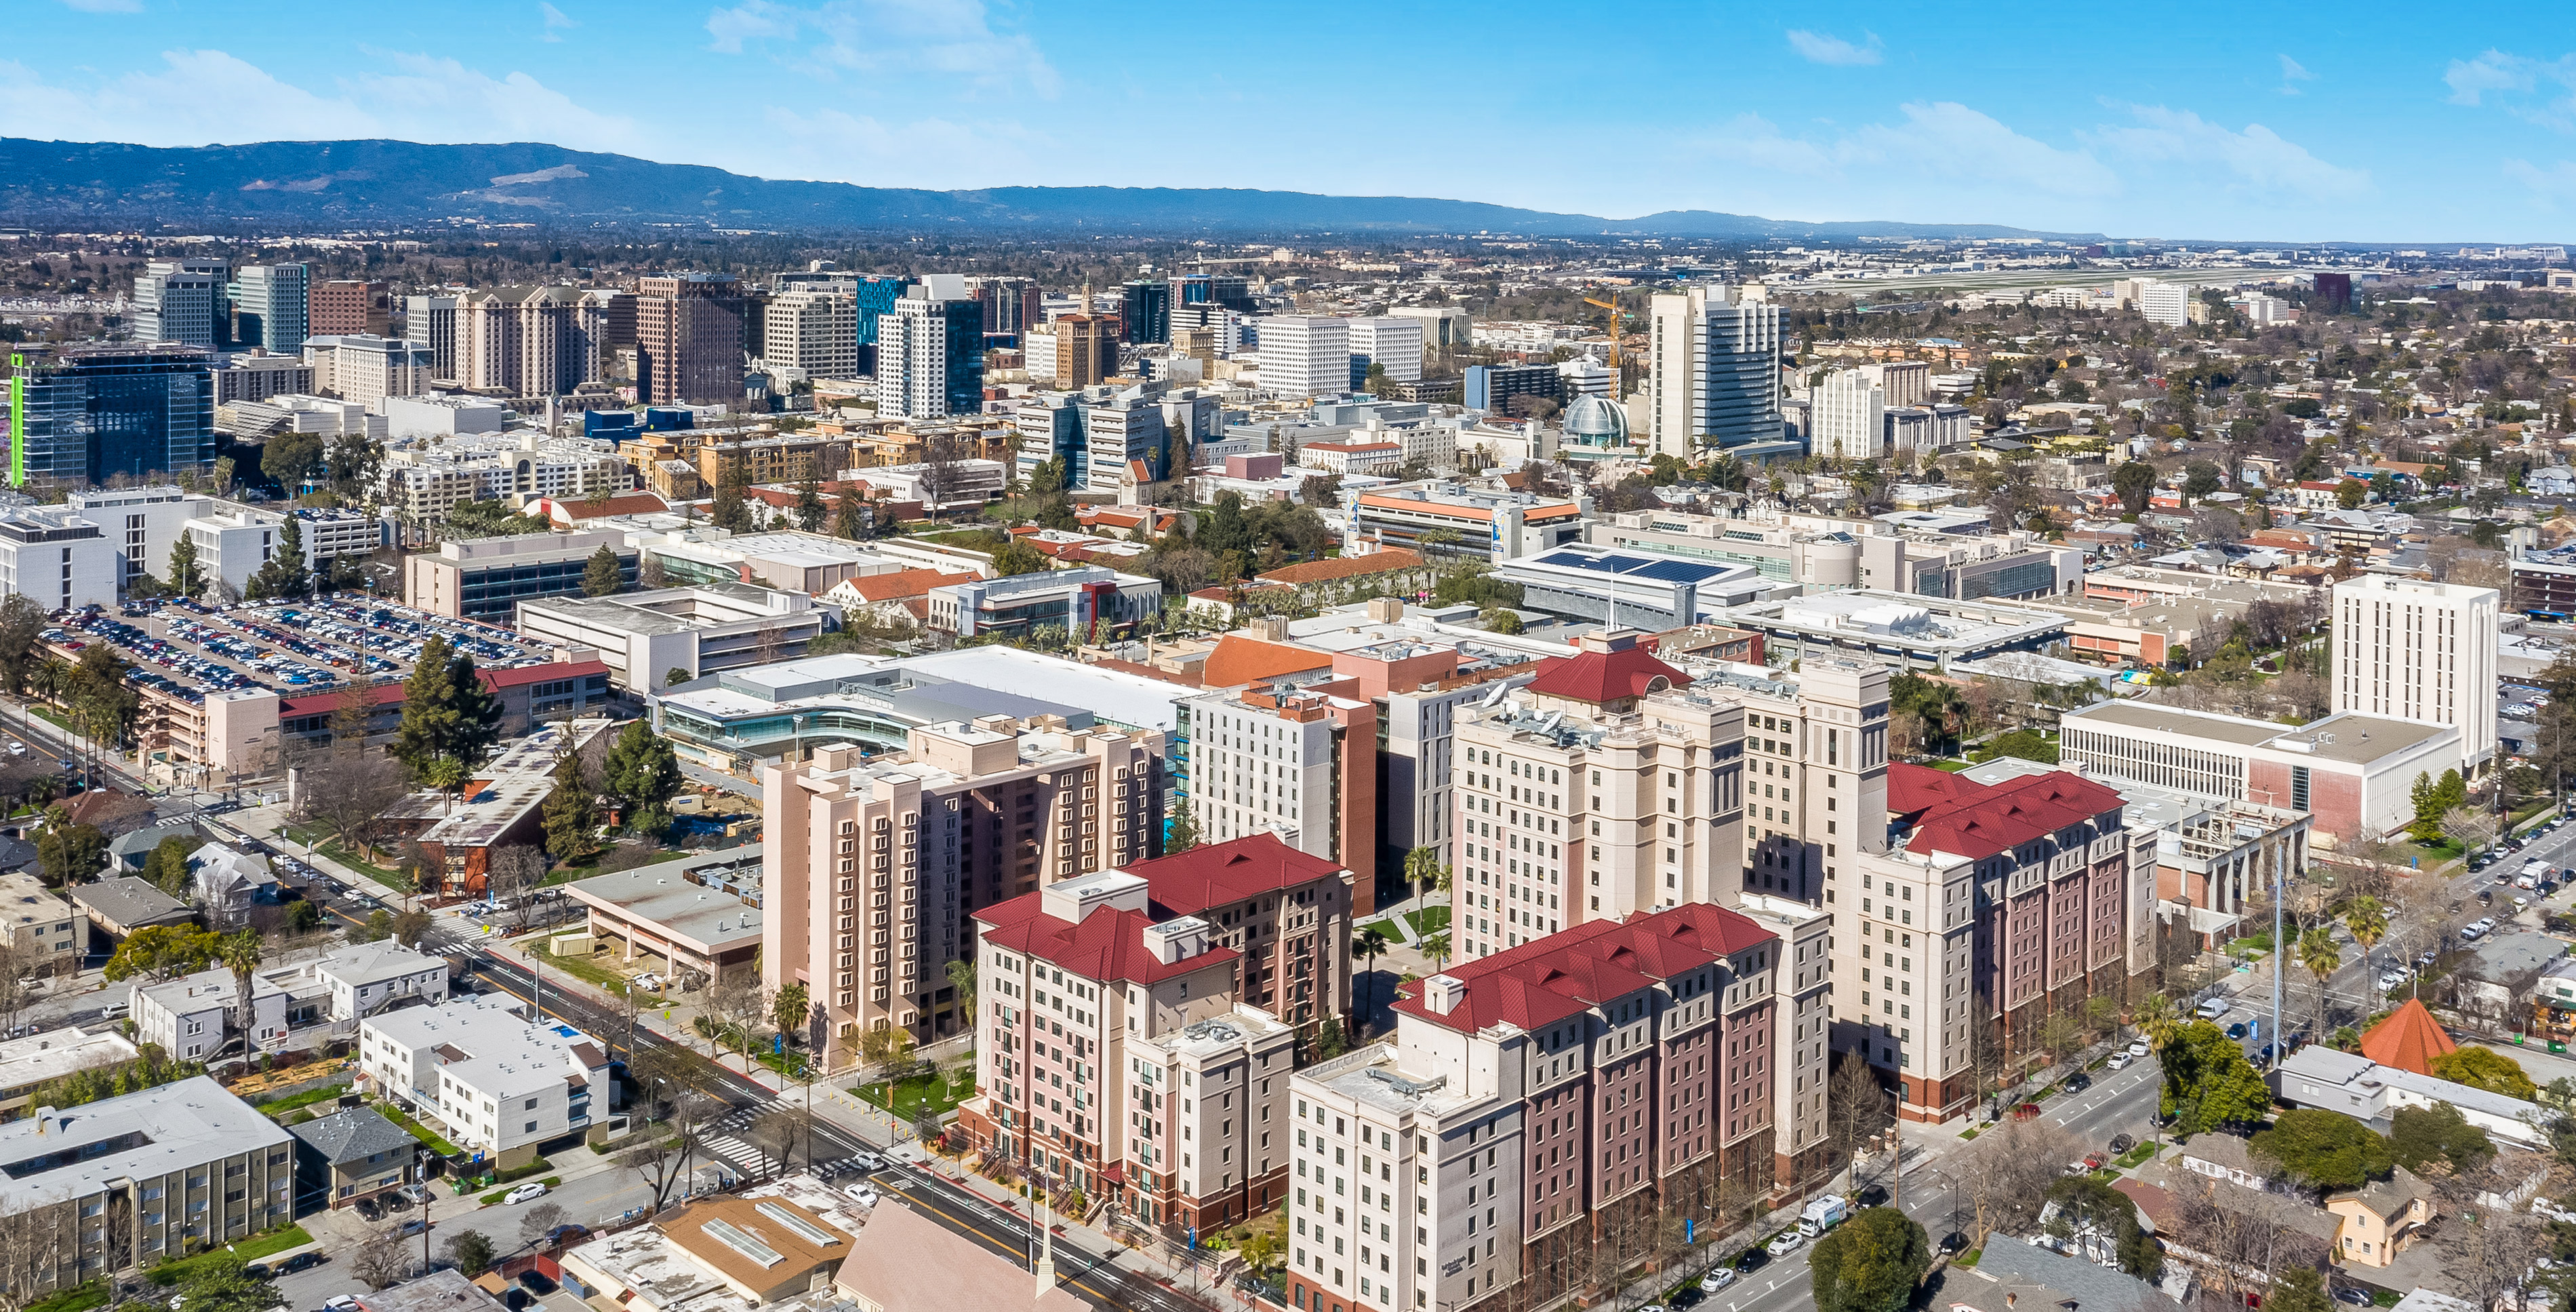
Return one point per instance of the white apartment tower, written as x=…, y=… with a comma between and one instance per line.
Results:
x=1713, y=373
x=1847, y=415
x=811, y=334
x=2409, y=649
x=1308, y=355
x=2167, y=303
x=1391, y=342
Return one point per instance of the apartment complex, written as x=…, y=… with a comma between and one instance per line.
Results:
x=874, y=866
x=1297, y=762
x=930, y=354
x=527, y=341
x=2412, y=649
x=1545, y=1103
x=497, y=1080
x=1985, y=906
x=136, y=1179
x=1305, y=355
x=1286, y=913
x=1120, y=1058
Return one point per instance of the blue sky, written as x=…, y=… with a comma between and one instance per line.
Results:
x=2308, y=122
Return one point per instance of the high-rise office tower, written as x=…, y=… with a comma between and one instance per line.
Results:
x=1012, y=306
x=810, y=334
x=1713, y=376
x=271, y=306
x=1230, y=291
x=182, y=301
x=1392, y=343
x=1086, y=349
x=347, y=307
x=526, y=341
x=2410, y=649
x=1305, y=355
x=430, y=321
x=930, y=353
x=88, y=413
x=1145, y=311
x=688, y=338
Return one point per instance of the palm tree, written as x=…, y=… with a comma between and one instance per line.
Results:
x=1368, y=943
x=2367, y=918
x=241, y=952
x=50, y=677
x=1422, y=866
x=1436, y=947
x=2157, y=1019
x=2322, y=956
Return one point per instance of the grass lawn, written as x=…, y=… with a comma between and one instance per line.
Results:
x=347, y=858
x=1429, y=920
x=418, y=1131
x=936, y=1093
x=582, y=968
x=305, y=1099
x=247, y=1250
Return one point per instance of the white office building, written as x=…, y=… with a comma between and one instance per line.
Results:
x=1391, y=342
x=2167, y=303
x=57, y=558
x=807, y=335
x=362, y=368
x=2408, y=649
x=180, y=301
x=1714, y=373
x=1309, y=355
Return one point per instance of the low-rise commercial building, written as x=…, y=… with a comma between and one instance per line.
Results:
x=2353, y=773
x=500, y=805
x=644, y=637
x=487, y=579
x=1908, y=631
x=1078, y=601
x=700, y=915
x=132, y=1180
x=1445, y=519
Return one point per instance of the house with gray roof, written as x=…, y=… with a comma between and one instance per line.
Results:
x=351, y=1155
x=2019, y=1277
x=120, y=906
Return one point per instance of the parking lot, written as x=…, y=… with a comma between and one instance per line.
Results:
x=188, y=649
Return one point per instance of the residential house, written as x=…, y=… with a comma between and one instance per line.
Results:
x=2376, y=1222
x=350, y=1156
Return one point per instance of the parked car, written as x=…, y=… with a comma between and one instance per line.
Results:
x=2352, y=1296
x=1717, y=1280
x=2078, y=1082
x=340, y=1303
x=532, y=1189
x=1788, y=1242
x=1751, y=1259
x=2119, y=1061
x=2389, y=979
x=2140, y=1048
x=302, y=1261
x=2236, y=1030
x=414, y=1226
x=2028, y=1111
x=863, y=1195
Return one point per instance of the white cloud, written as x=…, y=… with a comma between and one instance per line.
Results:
x=201, y=96
x=2556, y=182
x=2471, y=79
x=1821, y=48
x=952, y=40
x=931, y=153
x=2261, y=160
x=556, y=19
x=106, y=6
x=2293, y=73
x=1936, y=141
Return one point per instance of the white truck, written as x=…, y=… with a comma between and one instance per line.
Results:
x=1822, y=1215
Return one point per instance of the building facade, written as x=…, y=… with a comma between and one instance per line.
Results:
x=930, y=358
x=84, y=414
x=271, y=306
x=2412, y=649
x=1305, y=355
x=688, y=338
x=1714, y=379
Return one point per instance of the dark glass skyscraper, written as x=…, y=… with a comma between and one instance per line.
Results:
x=88, y=413
x=1146, y=310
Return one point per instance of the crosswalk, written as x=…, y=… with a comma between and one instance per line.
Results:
x=723, y=1139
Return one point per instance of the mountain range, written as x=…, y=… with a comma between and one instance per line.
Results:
x=330, y=185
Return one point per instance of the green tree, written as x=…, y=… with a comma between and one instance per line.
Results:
x=380, y=925
x=2367, y=918
x=2208, y=1082
x=166, y=868
x=850, y=520
x=303, y=917
x=1422, y=866
x=225, y=1284
x=488, y=519
x=164, y=951
x=2088, y=1202
x=2324, y=1150
x=1498, y=620
x=291, y=459
x=2350, y=493
x=789, y=1008
x=2135, y=482
x=2485, y=1068
x=2421, y=1138
x=570, y=812
x=283, y=575
x=728, y=509
x=2319, y=952
x=69, y=853
x=186, y=579
x=1331, y=1041
x=447, y=712
x=2298, y=1289
x=2199, y=479
x=2024, y=744
x=1367, y=944
x=810, y=510
x=1871, y=1263
x=643, y=774
x=961, y=977
x=1018, y=557
x=470, y=1251
x=601, y=575
x=1181, y=832
x=676, y=676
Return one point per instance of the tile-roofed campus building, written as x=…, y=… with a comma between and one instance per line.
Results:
x=1288, y=912
x=1117, y=1055
x=1613, y=1075
x=1983, y=904
x=1295, y=757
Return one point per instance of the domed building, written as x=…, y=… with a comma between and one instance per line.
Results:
x=1596, y=428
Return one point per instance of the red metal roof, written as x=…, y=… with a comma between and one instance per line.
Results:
x=1974, y=820
x=1605, y=676
x=1108, y=946
x=1220, y=874
x=1569, y=973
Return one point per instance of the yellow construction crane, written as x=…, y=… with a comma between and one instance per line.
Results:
x=1613, y=307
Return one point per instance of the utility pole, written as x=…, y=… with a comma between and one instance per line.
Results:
x=2280, y=956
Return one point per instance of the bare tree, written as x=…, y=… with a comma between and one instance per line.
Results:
x=513, y=877
x=15, y=992
x=781, y=1132
x=664, y=1157
x=1855, y=1106
x=346, y=792
x=2006, y=1174
x=383, y=1261
x=769, y=643
x=539, y=1222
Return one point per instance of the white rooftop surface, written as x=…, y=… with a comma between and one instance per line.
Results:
x=52, y=1054
x=182, y=1124
x=1113, y=695
x=505, y=1055
x=1897, y=615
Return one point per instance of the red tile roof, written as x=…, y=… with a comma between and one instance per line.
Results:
x=568, y=509
x=1387, y=561
x=1108, y=946
x=499, y=679
x=1568, y=973
x=1974, y=820
x=1219, y=874
x=322, y=703
x=2409, y=1039
x=1237, y=659
x=1605, y=676
x=902, y=583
